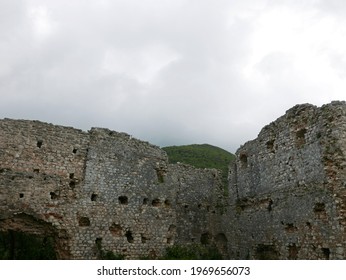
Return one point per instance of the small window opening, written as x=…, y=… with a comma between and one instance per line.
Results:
x=39, y=143
x=300, y=137
x=319, y=207
x=129, y=236
x=326, y=253
x=94, y=197
x=243, y=160
x=167, y=203
x=270, y=145
x=156, y=202
x=71, y=175
x=270, y=205
x=84, y=222
x=74, y=151
x=301, y=133
x=21, y=195
x=98, y=242
x=160, y=172
x=205, y=238
x=53, y=195
x=123, y=200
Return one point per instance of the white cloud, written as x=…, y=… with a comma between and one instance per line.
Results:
x=43, y=25
x=142, y=64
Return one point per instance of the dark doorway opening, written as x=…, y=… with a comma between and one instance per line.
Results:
x=24, y=237
x=16, y=245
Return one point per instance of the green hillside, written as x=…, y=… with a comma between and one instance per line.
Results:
x=201, y=156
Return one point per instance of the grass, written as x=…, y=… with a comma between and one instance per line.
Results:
x=201, y=156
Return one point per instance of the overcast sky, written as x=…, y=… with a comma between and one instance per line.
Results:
x=170, y=72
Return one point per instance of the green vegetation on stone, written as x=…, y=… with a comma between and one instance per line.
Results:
x=201, y=156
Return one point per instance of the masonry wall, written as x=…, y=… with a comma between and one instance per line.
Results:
x=101, y=191
x=200, y=203
x=287, y=188
x=41, y=170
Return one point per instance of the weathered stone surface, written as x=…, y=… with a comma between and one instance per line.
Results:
x=104, y=190
x=100, y=190
x=287, y=188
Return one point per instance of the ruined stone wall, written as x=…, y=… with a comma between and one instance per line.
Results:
x=100, y=191
x=41, y=169
x=287, y=188
x=200, y=201
x=125, y=197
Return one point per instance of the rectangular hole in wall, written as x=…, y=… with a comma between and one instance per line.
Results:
x=94, y=197
x=129, y=236
x=300, y=137
x=53, y=195
x=83, y=222
x=243, y=159
x=156, y=202
x=326, y=253
x=123, y=199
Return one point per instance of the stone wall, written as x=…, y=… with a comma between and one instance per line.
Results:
x=100, y=191
x=41, y=170
x=287, y=188
x=103, y=191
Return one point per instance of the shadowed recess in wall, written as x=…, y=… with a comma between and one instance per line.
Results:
x=16, y=245
x=24, y=237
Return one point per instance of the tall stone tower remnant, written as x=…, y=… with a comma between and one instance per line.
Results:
x=288, y=188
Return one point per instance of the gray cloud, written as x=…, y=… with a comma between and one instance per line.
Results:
x=170, y=72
